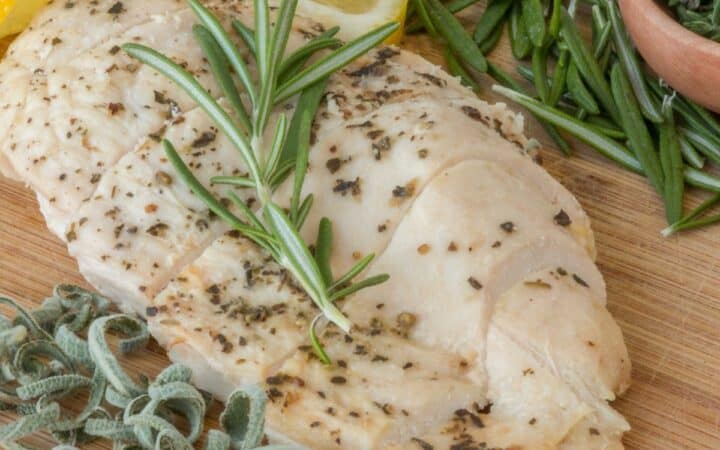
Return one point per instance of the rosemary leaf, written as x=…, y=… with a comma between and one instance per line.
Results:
x=218, y=65
x=315, y=341
x=243, y=182
x=691, y=221
x=353, y=272
x=335, y=61
x=276, y=148
x=223, y=39
x=293, y=64
x=702, y=179
x=300, y=130
x=301, y=164
x=323, y=249
x=215, y=206
x=304, y=211
x=263, y=46
x=247, y=212
x=246, y=34
x=274, y=47
x=366, y=283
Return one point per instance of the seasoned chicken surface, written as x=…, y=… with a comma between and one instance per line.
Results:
x=492, y=331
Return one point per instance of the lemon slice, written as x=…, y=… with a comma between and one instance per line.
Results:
x=15, y=15
x=356, y=17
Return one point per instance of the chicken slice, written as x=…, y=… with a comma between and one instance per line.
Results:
x=534, y=404
x=82, y=26
x=234, y=305
x=446, y=271
x=366, y=173
x=531, y=408
x=143, y=224
x=556, y=318
x=382, y=388
x=589, y=434
x=14, y=84
x=80, y=117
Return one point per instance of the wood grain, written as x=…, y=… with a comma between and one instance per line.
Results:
x=665, y=293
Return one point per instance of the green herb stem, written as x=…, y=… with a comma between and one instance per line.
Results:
x=278, y=232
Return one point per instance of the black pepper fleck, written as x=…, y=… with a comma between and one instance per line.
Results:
x=342, y=187
x=562, y=219
x=333, y=164
x=117, y=8
x=580, y=281
x=422, y=444
x=475, y=283
x=204, y=140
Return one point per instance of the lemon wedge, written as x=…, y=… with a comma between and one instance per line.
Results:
x=356, y=17
x=15, y=15
x=4, y=44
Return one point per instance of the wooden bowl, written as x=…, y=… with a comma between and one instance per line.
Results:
x=689, y=62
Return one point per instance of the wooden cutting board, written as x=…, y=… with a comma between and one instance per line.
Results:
x=665, y=293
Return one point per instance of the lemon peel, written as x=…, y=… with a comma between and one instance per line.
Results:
x=15, y=15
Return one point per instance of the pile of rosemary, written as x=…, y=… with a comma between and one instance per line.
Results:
x=279, y=78
x=598, y=91
x=51, y=356
x=699, y=16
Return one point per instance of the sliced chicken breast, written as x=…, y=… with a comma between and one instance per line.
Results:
x=430, y=346
x=492, y=329
x=385, y=388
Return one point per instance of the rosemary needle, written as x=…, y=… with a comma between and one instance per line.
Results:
x=691, y=220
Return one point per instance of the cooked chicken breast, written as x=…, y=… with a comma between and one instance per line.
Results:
x=492, y=328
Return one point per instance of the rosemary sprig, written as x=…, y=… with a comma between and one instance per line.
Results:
x=44, y=359
x=598, y=90
x=699, y=16
x=268, y=165
x=693, y=220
